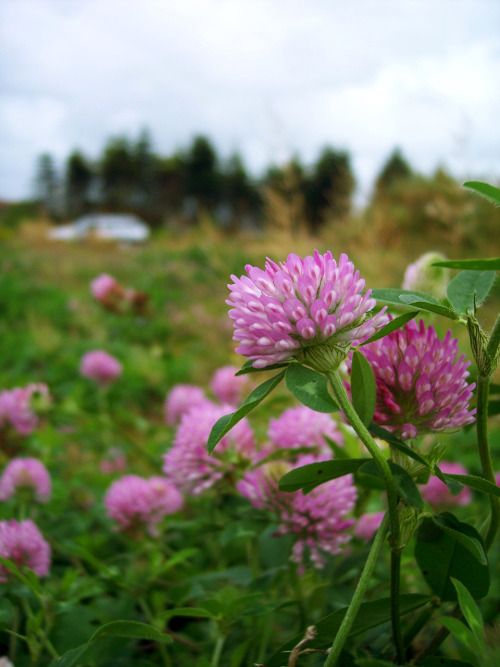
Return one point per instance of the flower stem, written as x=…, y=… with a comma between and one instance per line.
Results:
x=392, y=500
x=357, y=598
x=483, y=387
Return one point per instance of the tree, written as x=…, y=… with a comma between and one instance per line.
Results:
x=395, y=170
x=329, y=187
x=118, y=173
x=78, y=180
x=144, y=160
x=47, y=184
x=237, y=189
x=202, y=178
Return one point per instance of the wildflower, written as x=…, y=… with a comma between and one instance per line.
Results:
x=421, y=384
x=180, y=400
x=436, y=493
x=138, y=503
x=106, y=289
x=22, y=543
x=317, y=520
x=26, y=473
x=227, y=386
x=421, y=276
x=101, y=367
x=312, y=309
x=189, y=465
x=302, y=427
x=116, y=461
x=367, y=525
x=18, y=407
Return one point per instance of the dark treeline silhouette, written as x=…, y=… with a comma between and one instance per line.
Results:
x=130, y=176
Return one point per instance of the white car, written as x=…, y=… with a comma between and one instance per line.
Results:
x=110, y=226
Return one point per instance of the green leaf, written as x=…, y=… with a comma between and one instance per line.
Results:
x=407, y=488
x=443, y=662
x=370, y=615
x=310, y=388
x=469, y=289
x=493, y=408
x=475, y=547
x=73, y=657
x=188, y=612
x=393, y=325
x=312, y=475
x=131, y=630
x=363, y=389
x=248, y=368
x=486, y=264
x=391, y=296
x=226, y=423
x=395, y=442
x=428, y=305
x=470, y=610
x=474, y=482
x=441, y=556
x=485, y=190
x=461, y=632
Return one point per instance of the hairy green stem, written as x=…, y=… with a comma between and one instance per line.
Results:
x=494, y=341
x=219, y=645
x=483, y=387
x=357, y=598
x=392, y=500
x=395, y=617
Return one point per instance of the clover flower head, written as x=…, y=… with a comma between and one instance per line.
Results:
x=18, y=407
x=101, y=367
x=310, y=308
x=367, y=525
x=188, y=464
x=227, y=386
x=105, y=286
x=436, y=493
x=318, y=520
x=23, y=544
x=138, y=503
x=180, y=400
x=302, y=427
x=421, y=276
x=421, y=384
x=26, y=473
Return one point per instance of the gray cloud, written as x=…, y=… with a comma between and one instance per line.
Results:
x=269, y=77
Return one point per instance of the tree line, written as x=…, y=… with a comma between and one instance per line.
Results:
x=130, y=176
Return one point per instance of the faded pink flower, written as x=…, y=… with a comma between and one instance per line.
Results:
x=100, y=367
x=422, y=276
x=180, y=400
x=18, y=407
x=138, y=503
x=436, y=493
x=302, y=427
x=228, y=387
x=317, y=520
x=105, y=287
x=301, y=308
x=116, y=461
x=421, y=384
x=23, y=544
x=190, y=466
x=26, y=473
x=367, y=525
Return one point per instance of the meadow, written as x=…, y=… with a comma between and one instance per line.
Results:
x=216, y=582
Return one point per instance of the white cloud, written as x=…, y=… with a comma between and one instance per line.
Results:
x=270, y=77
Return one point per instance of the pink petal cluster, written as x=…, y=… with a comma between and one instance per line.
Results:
x=421, y=384
x=22, y=543
x=116, y=461
x=105, y=287
x=422, y=276
x=367, y=525
x=189, y=465
x=317, y=520
x=138, y=503
x=17, y=407
x=302, y=427
x=300, y=303
x=180, y=400
x=100, y=367
x=227, y=386
x=26, y=473
x=436, y=493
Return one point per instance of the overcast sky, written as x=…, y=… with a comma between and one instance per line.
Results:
x=266, y=77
